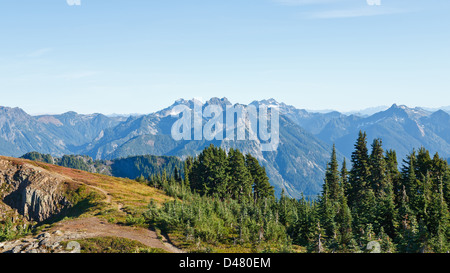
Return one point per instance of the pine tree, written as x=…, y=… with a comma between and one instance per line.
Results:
x=361, y=197
x=261, y=186
x=385, y=216
x=410, y=182
x=394, y=174
x=344, y=224
x=240, y=177
x=408, y=234
x=332, y=177
x=328, y=204
x=176, y=175
x=360, y=171
x=387, y=245
x=327, y=212
x=386, y=212
x=318, y=244
x=208, y=174
x=438, y=222
x=306, y=221
x=344, y=178
x=187, y=170
x=377, y=176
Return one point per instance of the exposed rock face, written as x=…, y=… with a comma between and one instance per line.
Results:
x=34, y=192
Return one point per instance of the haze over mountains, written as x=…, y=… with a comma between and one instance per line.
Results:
x=297, y=166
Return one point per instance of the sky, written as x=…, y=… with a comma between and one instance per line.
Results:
x=139, y=56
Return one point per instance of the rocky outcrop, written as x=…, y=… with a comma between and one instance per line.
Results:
x=44, y=243
x=34, y=192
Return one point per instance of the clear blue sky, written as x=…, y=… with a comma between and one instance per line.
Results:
x=137, y=56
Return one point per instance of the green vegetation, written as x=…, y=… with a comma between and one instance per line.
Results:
x=219, y=205
x=405, y=211
x=10, y=231
x=79, y=162
x=222, y=202
x=82, y=200
x=114, y=245
x=144, y=166
x=130, y=167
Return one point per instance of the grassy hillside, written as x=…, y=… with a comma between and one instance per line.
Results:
x=118, y=202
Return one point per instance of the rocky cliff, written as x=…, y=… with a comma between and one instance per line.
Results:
x=34, y=192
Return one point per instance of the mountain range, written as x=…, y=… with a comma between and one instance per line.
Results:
x=297, y=166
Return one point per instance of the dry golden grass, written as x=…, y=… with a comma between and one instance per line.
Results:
x=121, y=193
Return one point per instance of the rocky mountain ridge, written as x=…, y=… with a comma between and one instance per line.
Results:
x=297, y=166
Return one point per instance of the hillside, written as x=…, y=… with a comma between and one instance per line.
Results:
x=42, y=201
x=131, y=167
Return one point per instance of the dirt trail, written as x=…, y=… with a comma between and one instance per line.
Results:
x=94, y=227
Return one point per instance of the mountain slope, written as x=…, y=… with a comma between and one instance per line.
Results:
x=75, y=130
x=401, y=128
x=53, y=134
x=297, y=166
x=21, y=133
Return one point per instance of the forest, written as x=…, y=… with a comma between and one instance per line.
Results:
x=223, y=200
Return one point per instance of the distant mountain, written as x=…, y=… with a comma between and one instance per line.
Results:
x=297, y=166
x=368, y=111
x=53, y=134
x=443, y=108
x=76, y=130
x=21, y=133
x=362, y=113
x=401, y=128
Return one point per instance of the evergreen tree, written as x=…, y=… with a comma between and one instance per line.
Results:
x=344, y=178
x=408, y=235
x=360, y=171
x=305, y=225
x=208, y=174
x=377, y=176
x=344, y=225
x=410, y=182
x=328, y=204
x=361, y=196
x=240, y=177
x=394, y=174
x=188, y=163
x=380, y=178
x=332, y=177
x=261, y=186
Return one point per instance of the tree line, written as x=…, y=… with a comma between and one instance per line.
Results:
x=225, y=197
x=405, y=209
